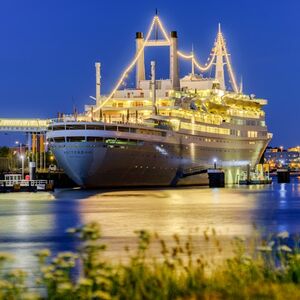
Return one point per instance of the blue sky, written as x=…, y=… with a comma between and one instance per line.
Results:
x=48, y=50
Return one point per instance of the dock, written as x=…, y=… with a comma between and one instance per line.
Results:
x=14, y=183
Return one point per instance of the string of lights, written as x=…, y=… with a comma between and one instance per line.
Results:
x=229, y=67
x=202, y=68
x=162, y=29
x=207, y=66
x=132, y=64
x=185, y=56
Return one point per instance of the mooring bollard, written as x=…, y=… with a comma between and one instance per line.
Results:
x=216, y=178
x=283, y=176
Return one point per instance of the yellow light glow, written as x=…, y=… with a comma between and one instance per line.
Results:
x=133, y=62
x=197, y=64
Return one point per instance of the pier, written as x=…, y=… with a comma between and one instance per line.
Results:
x=15, y=183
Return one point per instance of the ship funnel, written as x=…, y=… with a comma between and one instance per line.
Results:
x=140, y=65
x=174, y=70
x=98, y=81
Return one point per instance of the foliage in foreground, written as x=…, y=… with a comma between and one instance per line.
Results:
x=267, y=270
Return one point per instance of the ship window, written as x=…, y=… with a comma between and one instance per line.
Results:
x=59, y=140
x=75, y=127
x=61, y=127
x=252, y=134
x=113, y=128
x=95, y=127
x=123, y=129
x=133, y=141
x=75, y=139
x=94, y=139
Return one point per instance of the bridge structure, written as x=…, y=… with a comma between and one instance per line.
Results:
x=35, y=129
x=24, y=125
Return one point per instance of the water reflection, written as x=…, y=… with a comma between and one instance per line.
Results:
x=34, y=221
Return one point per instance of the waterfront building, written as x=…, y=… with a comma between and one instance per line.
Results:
x=278, y=157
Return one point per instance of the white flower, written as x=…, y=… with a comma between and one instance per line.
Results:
x=264, y=248
x=284, y=248
x=283, y=235
x=271, y=244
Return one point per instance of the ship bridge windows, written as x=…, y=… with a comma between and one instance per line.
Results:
x=252, y=134
x=75, y=127
x=75, y=139
x=94, y=127
x=123, y=129
x=112, y=128
x=235, y=132
x=59, y=139
x=138, y=103
x=94, y=139
x=248, y=122
x=58, y=127
x=263, y=134
x=251, y=123
x=204, y=128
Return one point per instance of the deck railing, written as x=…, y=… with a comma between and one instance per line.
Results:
x=23, y=183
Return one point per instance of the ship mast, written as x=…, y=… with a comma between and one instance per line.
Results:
x=98, y=82
x=219, y=60
x=153, y=86
x=192, y=60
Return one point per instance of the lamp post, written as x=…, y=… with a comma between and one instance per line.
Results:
x=20, y=146
x=22, y=160
x=215, y=163
x=22, y=157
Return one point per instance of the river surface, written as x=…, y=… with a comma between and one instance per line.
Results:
x=32, y=221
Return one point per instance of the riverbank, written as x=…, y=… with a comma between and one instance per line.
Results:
x=257, y=269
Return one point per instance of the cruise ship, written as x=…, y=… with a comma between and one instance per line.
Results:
x=163, y=132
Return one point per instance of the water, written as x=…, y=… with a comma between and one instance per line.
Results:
x=29, y=222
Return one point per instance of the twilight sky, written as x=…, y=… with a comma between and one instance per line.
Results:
x=48, y=49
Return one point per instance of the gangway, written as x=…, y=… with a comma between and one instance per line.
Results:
x=23, y=125
x=192, y=171
x=216, y=177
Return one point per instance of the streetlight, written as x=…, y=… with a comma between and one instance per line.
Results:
x=22, y=159
x=20, y=146
x=215, y=163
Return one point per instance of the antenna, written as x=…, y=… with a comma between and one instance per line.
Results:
x=241, y=85
x=193, y=66
x=156, y=26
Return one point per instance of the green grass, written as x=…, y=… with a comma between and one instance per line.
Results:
x=257, y=269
